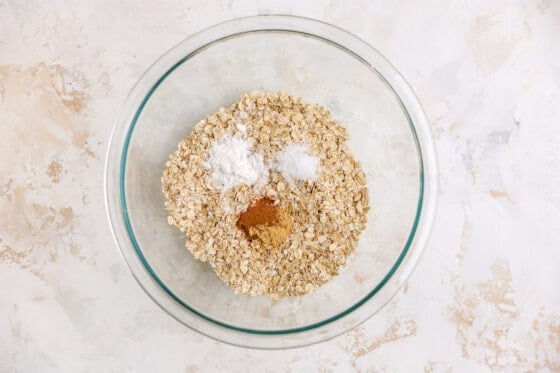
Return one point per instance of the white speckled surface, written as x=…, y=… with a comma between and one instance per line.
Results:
x=485, y=295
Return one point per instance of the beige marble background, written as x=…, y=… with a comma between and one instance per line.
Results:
x=486, y=295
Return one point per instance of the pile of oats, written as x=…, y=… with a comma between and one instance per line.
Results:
x=328, y=213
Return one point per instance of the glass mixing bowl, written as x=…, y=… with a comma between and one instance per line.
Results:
x=323, y=64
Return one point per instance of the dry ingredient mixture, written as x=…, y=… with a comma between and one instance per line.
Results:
x=268, y=193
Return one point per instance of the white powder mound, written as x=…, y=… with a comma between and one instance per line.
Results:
x=232, y=162
x=296, y=162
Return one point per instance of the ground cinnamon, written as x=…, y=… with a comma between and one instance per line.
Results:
x=262, y=212
x=265, y=221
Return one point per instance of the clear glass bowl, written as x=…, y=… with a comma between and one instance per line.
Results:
x=322, y=64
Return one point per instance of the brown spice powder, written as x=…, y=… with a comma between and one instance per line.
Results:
x=262, y=212
x=273, y=235
x=265, y=221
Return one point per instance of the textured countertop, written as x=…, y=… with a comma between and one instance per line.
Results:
x=485, y=296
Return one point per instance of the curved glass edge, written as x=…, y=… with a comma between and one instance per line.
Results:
x=409, y=104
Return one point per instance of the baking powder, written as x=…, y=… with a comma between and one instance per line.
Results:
x=232, y=162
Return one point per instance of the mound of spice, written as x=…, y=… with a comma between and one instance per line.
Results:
x=265, y=221
x=268, y=192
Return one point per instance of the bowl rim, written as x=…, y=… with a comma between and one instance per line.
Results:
x=117, y=152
